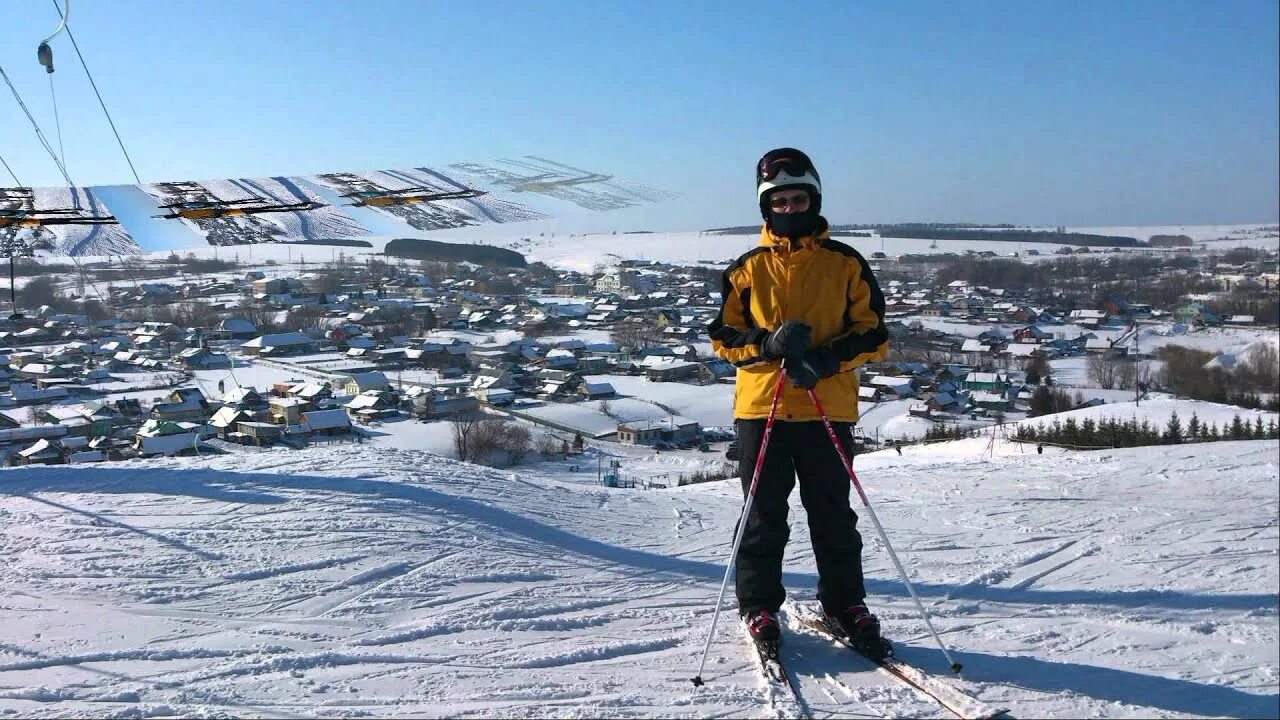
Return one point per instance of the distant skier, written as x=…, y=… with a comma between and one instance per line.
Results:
x=801, y=296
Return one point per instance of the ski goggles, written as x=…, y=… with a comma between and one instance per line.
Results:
x=769, y=169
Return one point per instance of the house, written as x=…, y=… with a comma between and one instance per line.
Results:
x=988, y=381
x=495, y=396
x=202, y=358
x=237, y=327
x=166, y=437
x=1031, y=334
x=670, y=370
x=224, y=421
x=313, y=393
x=286, y=410
x=183, y=404
x=362, y=382
x=28, y=394
x=257, y=433
x=279, y=344
x=326, y=422
x=371, y=405
x=675, y=430
x=899, y=386
x=435, y=404
x=870, y=393
x=1097, y=345
x=596, y=390
x=713, y=371
x=991, y=400
x=42, y=452
x=243, y=397
x=944, y=402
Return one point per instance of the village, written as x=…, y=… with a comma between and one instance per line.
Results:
x=218, y=359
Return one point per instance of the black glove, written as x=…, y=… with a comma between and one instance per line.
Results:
x=789, y=341
x=816, y=364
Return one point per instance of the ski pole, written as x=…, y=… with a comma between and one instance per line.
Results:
x=742, y=520
x=853, y=477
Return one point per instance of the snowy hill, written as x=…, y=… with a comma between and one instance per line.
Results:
x=353, y=580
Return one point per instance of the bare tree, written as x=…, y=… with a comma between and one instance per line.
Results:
x=464, y=429
x=548, y=445
x=1102, y=371
x=486, y=438
x=305, y=318
x=518, y=441
x=36, y=413
x=1126, y=375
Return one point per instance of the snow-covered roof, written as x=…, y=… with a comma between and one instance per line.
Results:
x=278, y=340
x=325, y=419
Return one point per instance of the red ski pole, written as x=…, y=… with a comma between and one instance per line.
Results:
x=853, y=477
x=742, y=520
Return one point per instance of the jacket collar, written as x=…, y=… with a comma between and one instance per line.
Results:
x=777, y=242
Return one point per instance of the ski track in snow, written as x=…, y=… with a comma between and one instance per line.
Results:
x=354, y=580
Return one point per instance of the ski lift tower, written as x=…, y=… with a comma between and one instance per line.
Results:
x=13, y=247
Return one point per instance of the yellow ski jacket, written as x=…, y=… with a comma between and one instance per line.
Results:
x=815, y=280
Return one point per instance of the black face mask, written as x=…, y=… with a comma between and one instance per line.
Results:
x=794, y=225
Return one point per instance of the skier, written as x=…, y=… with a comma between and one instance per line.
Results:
x=808, y=300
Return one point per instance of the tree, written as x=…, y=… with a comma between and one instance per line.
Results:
x=1037, y=369
x=1194, y=427
x=1102, y=371
x=517, y=441
x=464, y=427
x=307, y=317
x=1173, y=431
x=35, y=413
x=578, y=442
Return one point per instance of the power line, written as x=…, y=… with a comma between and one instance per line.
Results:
x=94, y=84
x=16, y=181
x=57, y=121
x=39, y=135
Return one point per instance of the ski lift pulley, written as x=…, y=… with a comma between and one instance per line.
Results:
x=44, y=53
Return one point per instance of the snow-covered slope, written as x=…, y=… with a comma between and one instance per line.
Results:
x=351, y=580
x=77, y=240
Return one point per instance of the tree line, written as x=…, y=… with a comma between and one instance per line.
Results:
x=1112, y=432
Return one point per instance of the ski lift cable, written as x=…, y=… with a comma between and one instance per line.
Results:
x=36, y=126
x=11, y=173
x=94, y=85
x=57, y=121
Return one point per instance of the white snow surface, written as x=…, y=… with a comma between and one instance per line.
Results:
x=74, y=240
x=356, y=580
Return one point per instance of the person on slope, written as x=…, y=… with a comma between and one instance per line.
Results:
x=801, y=297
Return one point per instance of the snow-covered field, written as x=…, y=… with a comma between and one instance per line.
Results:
x=587, y=251
x=355, y=580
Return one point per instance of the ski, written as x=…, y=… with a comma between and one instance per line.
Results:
x=784, y=698
x=963, y=706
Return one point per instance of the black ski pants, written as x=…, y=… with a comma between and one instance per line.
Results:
x=800, y=449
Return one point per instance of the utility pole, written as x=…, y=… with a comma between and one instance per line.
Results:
x=14, y=247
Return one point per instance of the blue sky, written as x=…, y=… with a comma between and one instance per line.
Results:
x=1078, y=113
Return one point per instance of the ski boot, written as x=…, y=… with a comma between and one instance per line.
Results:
x=763, y=627
x=863, y=631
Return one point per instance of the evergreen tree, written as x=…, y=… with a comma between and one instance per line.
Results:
x=1089, y=432
x=1273, y=430
x=1237, y=428
x=1071, y=432
x=1173, y=431
x=577, y=442
x=1259, y=431
x=1214, y=434
x=1193, y=427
